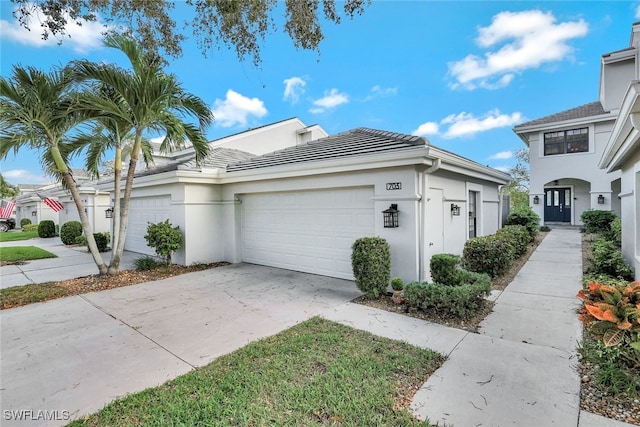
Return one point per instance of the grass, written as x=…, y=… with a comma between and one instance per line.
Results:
x=316, y=373
x=28, y=294
x=22, y=235
x=23, y=253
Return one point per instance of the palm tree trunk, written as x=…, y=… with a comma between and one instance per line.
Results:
x=117, y=250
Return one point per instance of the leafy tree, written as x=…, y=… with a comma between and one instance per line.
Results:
x=7, y=190
x=518, y=188
x=35, y=112
x=239, y=24
x=127, y=104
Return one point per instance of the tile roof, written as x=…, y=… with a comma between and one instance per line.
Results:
x=581, y=112
x=355, y=142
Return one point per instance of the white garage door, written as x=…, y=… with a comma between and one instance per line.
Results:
x=142, y=211
x=310, y=231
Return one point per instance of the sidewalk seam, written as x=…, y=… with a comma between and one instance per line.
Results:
x=136, y=330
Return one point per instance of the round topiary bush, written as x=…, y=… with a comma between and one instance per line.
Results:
x=371, y=262
x=526, y=217
x=46, y=228
x=24, y=221
x=70, y=231
x=397, y=284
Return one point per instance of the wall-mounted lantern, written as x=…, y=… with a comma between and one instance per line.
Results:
x=391, y=216
x=536, y=200
x=455, y=210
x=108, y=213
x=34, y=213
x=601, y=199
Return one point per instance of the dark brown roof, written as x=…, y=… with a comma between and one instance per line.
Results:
x=355, y=142
x=583, y=111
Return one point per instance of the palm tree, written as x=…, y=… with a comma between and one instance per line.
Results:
x=137, y=102
x=35, y=113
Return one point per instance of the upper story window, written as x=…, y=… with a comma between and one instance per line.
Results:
x=566, y=141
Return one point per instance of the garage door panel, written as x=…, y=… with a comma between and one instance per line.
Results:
x=142, y=211
x=310, y=231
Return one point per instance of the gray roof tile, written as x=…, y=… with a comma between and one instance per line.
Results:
x=581, y=112
x=355, y=142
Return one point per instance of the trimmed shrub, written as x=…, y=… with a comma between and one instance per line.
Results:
x=518, y=236
x=371, y=263
x=459, y=301
x=444, y=267
x=69, y=231
x=145, y=263
x=46, y=229
x=81, y=240
x=526, y=217
x=545, y=228
x=615, y=234
x=488, y=254
x=597, y=221
x=165, y=239
x=24, y=221
x=607, y=259
x=30, y=227
x=397, y=284
x=102, y=241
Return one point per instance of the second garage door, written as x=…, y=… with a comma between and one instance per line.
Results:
x=310, y=231
x=142, y=211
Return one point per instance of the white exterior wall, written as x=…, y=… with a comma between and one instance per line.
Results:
x=95, y=205
x=615, y=77
x=630, y=205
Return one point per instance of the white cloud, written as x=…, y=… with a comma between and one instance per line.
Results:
x=80, y=38
x=23, y=176
x=381, y=92
x=331, y=99
x=236, y=109
x=293, y=89
x=427, y=128
x=466, y=124
x=502, y=155
x=528, y=39
x=505, y=169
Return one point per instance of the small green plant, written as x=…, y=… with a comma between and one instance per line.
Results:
x=443, y=268
x=145, y=263
x=612, y=371
x=371, y=263
x=164, y=238
x=597, y=221
x=81, y=240
x=527, y=217
x=397, y=284
x=614, y=235
x=518, y=236
x=24, y=221
x=30, y=227
x=545, y=228
x=46, y=229
x=102, y=241
x=607, y=259
x=488, y=254
x=69, y=231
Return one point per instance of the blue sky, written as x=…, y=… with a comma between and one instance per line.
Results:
x=462, y=74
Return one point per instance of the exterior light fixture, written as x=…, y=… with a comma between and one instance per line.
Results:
x=536, y=200
x=391, y=216
x=108, y=213
x=455, y=210
x=34, y=213
x=601, y=199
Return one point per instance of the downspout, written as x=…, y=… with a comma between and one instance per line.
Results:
x=423, y=215
x=500, y=202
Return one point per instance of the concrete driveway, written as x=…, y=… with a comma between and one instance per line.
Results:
x=69, y=357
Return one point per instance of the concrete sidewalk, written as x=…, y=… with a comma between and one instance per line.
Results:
x=71, y=262
x=520, y=369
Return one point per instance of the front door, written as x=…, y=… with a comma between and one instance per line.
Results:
x=557, y=205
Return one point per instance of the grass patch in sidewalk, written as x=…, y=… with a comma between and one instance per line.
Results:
x=315, y=373
x=23, y=253
x=22, y=235
x=27, y=294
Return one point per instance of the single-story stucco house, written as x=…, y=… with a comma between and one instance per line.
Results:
x=302, y=206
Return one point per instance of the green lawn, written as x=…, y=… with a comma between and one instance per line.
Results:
x=316, y=373
x=21, y=235
x=23, y=253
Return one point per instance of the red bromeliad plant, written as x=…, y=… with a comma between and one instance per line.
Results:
x=612, y=314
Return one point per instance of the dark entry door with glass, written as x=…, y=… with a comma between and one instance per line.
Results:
x=557, y=205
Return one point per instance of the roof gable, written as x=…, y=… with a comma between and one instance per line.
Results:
x=355, y=142
x=581, y=112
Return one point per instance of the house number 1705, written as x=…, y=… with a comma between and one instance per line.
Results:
x=394, y=186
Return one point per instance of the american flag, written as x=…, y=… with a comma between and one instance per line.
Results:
x=6, y=208
x=53, y=204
